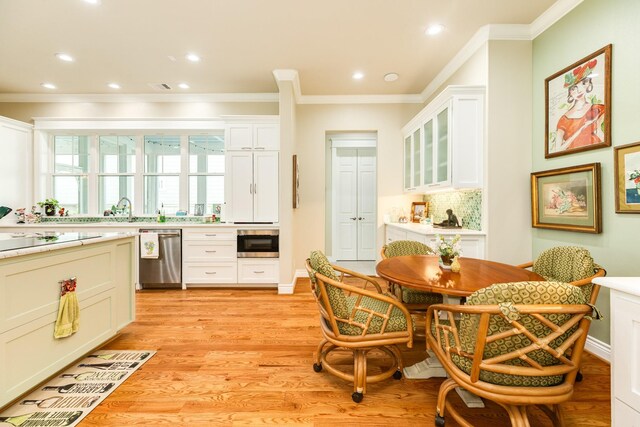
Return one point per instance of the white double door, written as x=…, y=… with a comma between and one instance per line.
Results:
x=354, y=204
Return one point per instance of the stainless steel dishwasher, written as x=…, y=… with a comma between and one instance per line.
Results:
x=166, y=270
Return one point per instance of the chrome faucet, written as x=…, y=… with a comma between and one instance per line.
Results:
x=121, y=205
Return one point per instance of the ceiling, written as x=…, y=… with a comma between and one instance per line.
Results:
x=241, y=42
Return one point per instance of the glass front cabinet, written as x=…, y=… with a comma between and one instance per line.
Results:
x=443, y=144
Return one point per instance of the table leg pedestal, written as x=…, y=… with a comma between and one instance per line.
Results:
x=432, y=368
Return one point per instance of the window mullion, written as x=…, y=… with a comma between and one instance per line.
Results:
x=92, y=183
x=138, y=180
x=183, y=202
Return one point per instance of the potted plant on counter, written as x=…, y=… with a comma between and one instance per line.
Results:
x=50, y=206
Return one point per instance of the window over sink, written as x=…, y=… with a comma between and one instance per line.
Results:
x=90, y=173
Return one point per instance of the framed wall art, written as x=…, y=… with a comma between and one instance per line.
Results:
x=567, y=199
x=418, y=211
x=626, y=159
x=578, y=106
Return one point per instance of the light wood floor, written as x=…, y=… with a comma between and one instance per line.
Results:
x=244, y=357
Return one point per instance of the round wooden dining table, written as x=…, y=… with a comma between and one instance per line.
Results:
x=422, y=272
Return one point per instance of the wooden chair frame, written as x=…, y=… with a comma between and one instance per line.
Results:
x=512, y=398
x=361, y=344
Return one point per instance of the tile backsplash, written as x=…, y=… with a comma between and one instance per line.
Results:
x=466, y=205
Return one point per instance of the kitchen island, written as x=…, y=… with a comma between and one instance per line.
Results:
x=31, y=269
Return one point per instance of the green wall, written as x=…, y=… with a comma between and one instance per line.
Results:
x=587, y=28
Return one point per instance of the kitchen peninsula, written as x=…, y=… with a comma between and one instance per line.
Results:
x=31, y=268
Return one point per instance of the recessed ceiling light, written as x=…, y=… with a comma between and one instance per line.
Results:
x=64, y=57
x=114, y=85
x=391, y=77
x=183, y=86
x=193, y=57
x=434, y=29
x=92, y=1
x=358, y=75
x=48, y=85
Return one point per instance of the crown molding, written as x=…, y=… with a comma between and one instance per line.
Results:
x=552, y=15
x=142, y=97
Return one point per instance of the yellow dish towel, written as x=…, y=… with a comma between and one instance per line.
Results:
x=68, y=320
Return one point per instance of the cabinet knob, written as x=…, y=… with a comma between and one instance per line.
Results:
x=360, y=218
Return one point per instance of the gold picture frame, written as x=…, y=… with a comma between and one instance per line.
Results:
x=626, y=160
x=418, y=211
x=567, y=199
x=578, y=106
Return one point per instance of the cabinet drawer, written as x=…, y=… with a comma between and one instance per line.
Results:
x=209, y=235
x=218, y=272
x=258, y=270
x=202, y=251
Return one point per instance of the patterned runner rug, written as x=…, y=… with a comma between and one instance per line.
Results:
x=69, y=397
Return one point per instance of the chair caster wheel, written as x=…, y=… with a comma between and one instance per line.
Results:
x=357, y=397
x=579, y=376
x=439, y=421
x=317, y=367
x=397, y=375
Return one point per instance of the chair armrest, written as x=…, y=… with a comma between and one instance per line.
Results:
x=525, y=265
x=599, y=273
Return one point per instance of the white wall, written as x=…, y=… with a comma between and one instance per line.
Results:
x=16, y=167
x=507, y=199
x=313, y=122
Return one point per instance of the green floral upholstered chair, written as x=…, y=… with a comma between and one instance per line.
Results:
x=517, y=344
x=414, y=300
x=570, y=264
x=358, y=320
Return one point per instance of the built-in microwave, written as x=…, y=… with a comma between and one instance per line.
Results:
x=258, y=244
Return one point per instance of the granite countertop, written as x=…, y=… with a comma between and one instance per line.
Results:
x=430, y=230
x=76, y=239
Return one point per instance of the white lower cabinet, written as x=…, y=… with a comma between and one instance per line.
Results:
x=258, y=270
x=471, y=245
x=210, y=257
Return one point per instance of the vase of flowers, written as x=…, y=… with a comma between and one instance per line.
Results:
x=447, y=250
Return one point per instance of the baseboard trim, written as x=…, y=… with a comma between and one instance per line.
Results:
x=290, y=288
x=598, y=348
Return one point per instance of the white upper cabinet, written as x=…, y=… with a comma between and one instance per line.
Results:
x=244, y=136
x=443, y=144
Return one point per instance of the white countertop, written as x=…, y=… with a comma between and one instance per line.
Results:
x=429, y=230
x=56, y=246
x=136, y=225
x=629, y=285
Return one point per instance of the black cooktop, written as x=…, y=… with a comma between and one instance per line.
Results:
x=41, y=239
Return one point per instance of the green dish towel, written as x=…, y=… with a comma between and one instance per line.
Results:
x=68, y=320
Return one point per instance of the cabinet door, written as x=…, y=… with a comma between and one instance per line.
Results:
x=239, y=186
x=266, y=136
x=239, y=137
x=427, y=150
x=442, y=170
x=407, y=163
x=265, y=187
x=416, y=160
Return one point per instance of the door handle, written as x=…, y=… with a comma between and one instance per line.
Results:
x=250, y=188
x=353, y=218
x=211, y=252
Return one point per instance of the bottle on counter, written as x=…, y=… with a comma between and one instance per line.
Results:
x=163, y=218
